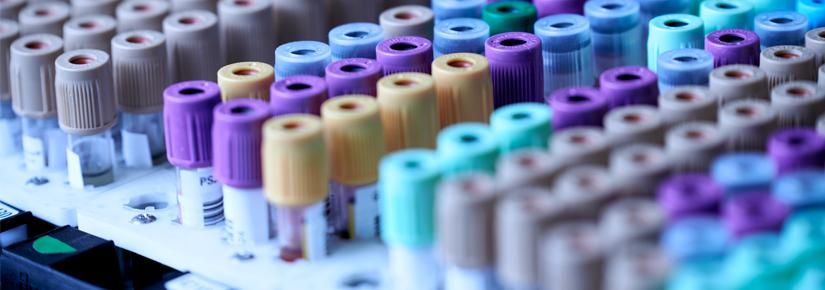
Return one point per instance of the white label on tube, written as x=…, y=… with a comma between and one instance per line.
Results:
x=200, y=199
x=74, y=168
x=34, y=153
x=136, y=151
x=315, y=232
x=247, y=216
x=366, y=212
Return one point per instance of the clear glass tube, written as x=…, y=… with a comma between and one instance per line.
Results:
x=9, y=129
x=43, y=145
x=354, y=210
x=91, y=159
x=149, y=125
x=302, y=232
x=200, y=199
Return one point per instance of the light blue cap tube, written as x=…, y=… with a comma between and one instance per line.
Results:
x=701, y=274
x=612, y=23
x=407, y=183
x=762, y=6
x=801, y=189
x=695, y=238
x=726, y=14
x=683, y=67
x=814, y=10
x=653, y=8
x=355, y=40
x=525, y=125
x=780, y=28
x=753, y=262
x=743, y=172
x=803, y=238
x=467, y=147
x=566, y=50
x=460, y=35
x=673, y=31
x=449, y=9
x=301, y=58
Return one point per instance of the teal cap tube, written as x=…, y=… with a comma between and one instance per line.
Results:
x=701, y=274
x=407, y=184
x=812, y=278
x=753, y=263
x=726, y=14
x=673, y=31
x=524, y=125
x=803, y=238
x=467, y=147
x=762, y=6
x=814, y=10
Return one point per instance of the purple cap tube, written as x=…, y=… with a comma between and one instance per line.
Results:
x=797, y=149
x=692, y=194
x=629, y=85
x=353, y=76
x=754, y=212
x=733, y=46
x=516, y=68
x=187, y=120
x=405, y=54
x=577, y=106
x=297, y=94
x=236, y=139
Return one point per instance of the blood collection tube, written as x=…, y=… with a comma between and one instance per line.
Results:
x=752, y=263
x=673, y=31
x=237, y=142
x=638, y=169
x=9, y=123
x=354, y=40
x=613, y=22
x=192, y=47
x=340, y=12
x=692, y=146
x=301, y=58
x=631, y=220
x=10, y=9
x=762, y=6
x=87, y=110
x=353, y=76
x=813, y=10
x=405, y=54
x=467, y=147
x=355, y=142
x=634, y=124
x=684, y=67
x=460, y=35
x=747, y=124
x=187, y=119
x=740, y=173
x=629, y=85
x=89, y=32
x=463, y=87
x=687, y=103
x=695, y=238
x=552, y=7
x=93, y=7
x=509, y=16
x=801, y=190
x=465, y=215
x=585, y=190
x=733, y=46
x=787, y=63
x=580, y=145
x=409, y=112
x=139, y=65
x=734, y=82
x=246, y=80
x=572, y=257
x=44, y=17
x=310, y=15
x=780, y=28
x=797, y=149
x=526, y=168
x=408, y=193
x=519, y=126
x=449, y=9
x=815, y=42
x=244, y=30
x=141, y=15
x=190, y=5
x=566, y=51
x=801, y=238
x=726, y=14
x=407, y=20
x=577, y=106
x=640, y=266
x=690, y=194
x=294, y=146
x=753, y=212
x=31, y=70
x=297, y=95
x=516, y=68
x=650, y=9
x=797, y=103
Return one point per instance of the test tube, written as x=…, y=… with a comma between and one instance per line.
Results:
x=190, y=5
x=692, y=146
x=526, y=168
x=752, y=263
x=31, y=75
x=467, y=147
x=192, y=47
x=566, y=51
x=246, y=80
x=407, y=187
x=684, y=67
x=629, y=221
x=44, y=17
x=9, y=124
x=762, y=6
x=585, y=190
x=93, y=7
x=642, y=266
x=464, y=88
x=753, y=212
x=141, y=15
x=237, y=144
x=405, y=54
x=407, y=20
x=612, y=22
x=552, y=7
x=787, y=63
x=801, y=238
x=301, y=58
x=580, y=145
x=637, y=169
x=294, y=144
x=811, y=278
x=740, y=173
x=734, y=82
x=747, y=124
x=465, y=214
x=340, y=12
x=139, y=65
x=297, y=94
x=408, y=111
x=733, y=46
x=10, y=9
x=244, y=30
x=572, y=257
x=515, y=67
x=519, y=126
x=634, y=124
x=813, y=10
x=797, y=149
x=815, y=42
x=577, y=106
x=509, y=16
x=86, y=109
x=288, y=13
x=780, y=28
x=726, y=14
x=448, y=9
x=629, y=85
x=187, y=120
x=353, y=76
x=355, y=142
x=673, y=31
x=801, y=190
x=460, y=35
x=797, y=104
x=354, y=40
x=650, y=9
x=687, y=103
x=695, y=238
x=691, y=194
x=90, y=32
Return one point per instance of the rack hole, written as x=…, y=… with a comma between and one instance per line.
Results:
x=147, y=202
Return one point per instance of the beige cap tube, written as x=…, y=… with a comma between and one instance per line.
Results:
x=637, y=169
x=86, y=103
x=787, y=63
x=407, y=20
x=354, y=138
x=640, y=266
x=634, y=124
x=746, y=124
x=734, y=82
x=31, y=71
x=797, y=104
x=246, y=80
x=572, y=257
x=464, y=88
x=295, y=160
x=465, y=216
x=141, y=15
x=526, y=168
x=139, y=65
x=409, y=111
x=44, y=17
x=629, y=221
x=8, y=33
x=692, y=146
x=580, y=145
x=585, y=190
x=687, y=103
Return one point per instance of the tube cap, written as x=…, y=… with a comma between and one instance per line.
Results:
x=465, y=217
x=552, y=7
x=8, y=33
x=31, y=74
x=451, y=9
x=44, y=17
x=515, y=67
x=567, y=51
x=753, y=212
x=638, y=169
x=726, y=14
x=634, y=124
x=687, y=103
x=295, y=161
x=460, y=35
x=192, y=45
x=407, y=20
x=747, y=124
x=301, y=58
x=526, y=168
x=90, y=31
x=86, y=102
x=638, y=266
x=354, y=138
x=733, y=82
x=572, y=257
x=801, y=190
x=630, y=221
x=691, y=194
x=190, y=5
x=467, y=147
x=237, y=141
x=797, y=103
x=754, y=263
x=815, y=42
x=520, y=126
x=585, y=191
x=743, y=172
x=407, y=184
x=580, y=145
x=353, y=76
x=187, y=120
x=244, y=80
x=93, y=7
x=405, y=54
x=464, y=88
x=673, y=31
x=692, y=146
x=681, y=67
x=787, y=63
x=244, y=33
x=608, y=17
x=510, y=16
x=141, y=15
x=813, y=10
x=733, y=46
x=577, y=106
x=802, y=237
x=780, y=28
x=139, y=65
x=10, y=9
x=297, y=94
x=629, y=85
x=355, y=40
x=408, y=111
x=797, y=149
x=695, y=238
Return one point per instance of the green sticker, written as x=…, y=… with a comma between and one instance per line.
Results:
x=47, y=245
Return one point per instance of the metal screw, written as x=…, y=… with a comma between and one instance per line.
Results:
x=144, y=218
x=37, y=181
x=243, y=256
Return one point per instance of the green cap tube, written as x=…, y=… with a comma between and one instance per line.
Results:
x=509, y=16
x=467, y=147
x=407, y=184
x=673, y=31
x=524, y=125
x=726, y=14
